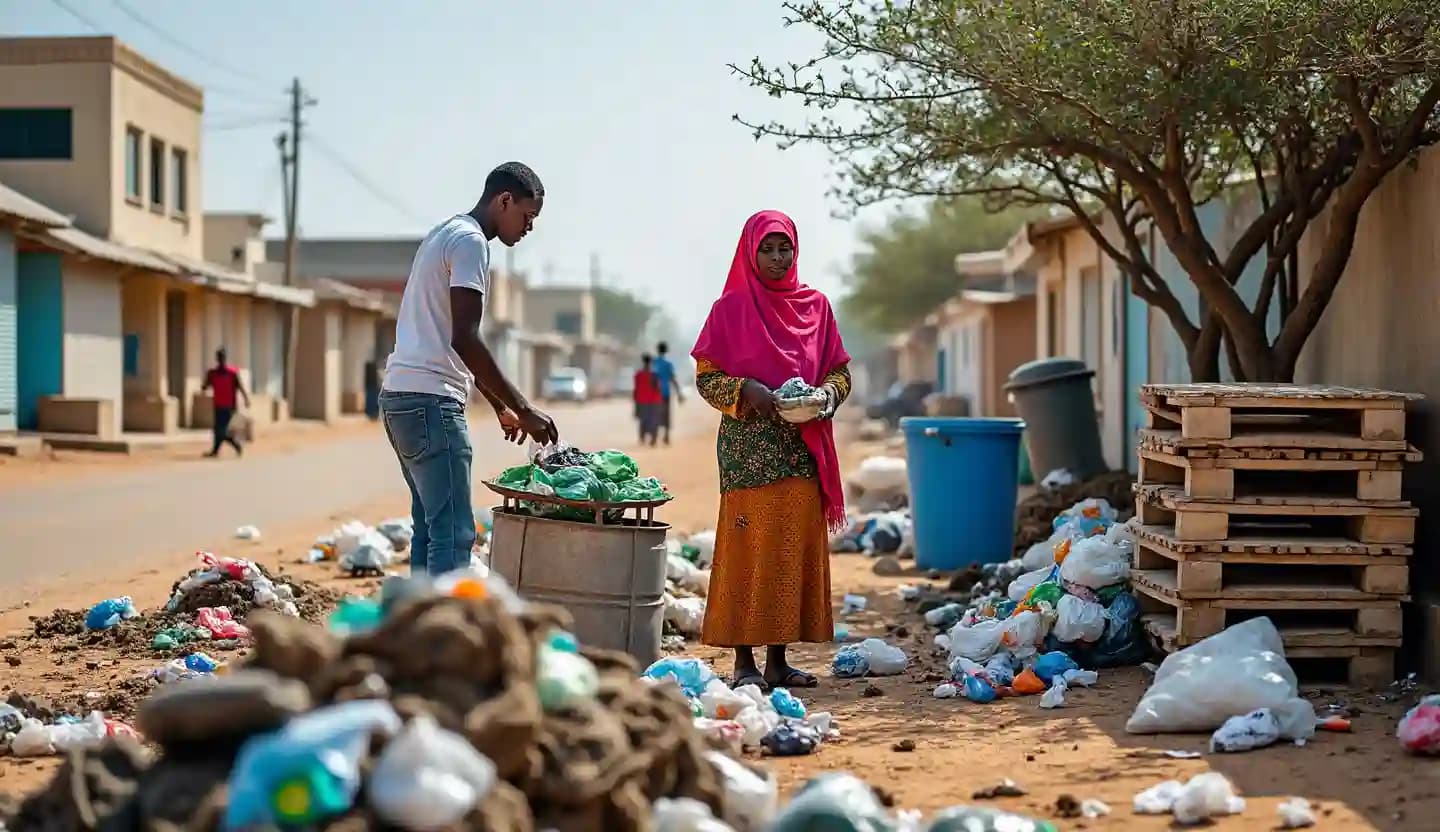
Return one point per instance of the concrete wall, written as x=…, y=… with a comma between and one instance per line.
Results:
x=147, y=405
x=544, y=307
x=93, y=355
x=317, y=371
x=229, y=233
x=78, y=186
x=357, y=347
x=1011, y=342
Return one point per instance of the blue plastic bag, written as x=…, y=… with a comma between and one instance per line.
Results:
x=308, y=770
x=692, y=675
x=1053, y=664
x=200, y=663
x=791, y=739
x=110, y=612
x=786, y=704
x=849, y=662
x=978, y=690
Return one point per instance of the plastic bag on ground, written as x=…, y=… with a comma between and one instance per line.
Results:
x=881, y=658
x=727, y=731
x=1295, y=813
x=1419, y=729
x=220, y=623
x=787, y=704
x=1078, y=620
x=1000, y=670
x=791, y=739
x=1022, y=585
x=684, y=814
x=1238, y=670
x=428, y=778
x=849, y=662
x=978, y=642
x=985, y=819
x=686, y=614
x=757, y=724
x=692, y=675
x=978, y=690
x=110, y=612
x=945, y=617
x=1095, y=562
x=882, y=474
x=1022, y=633
x=1246, y=732
x=1055, y=696
x=1081, y=678
x=1206, y=796
x=704, y=543
x=720, y=702
x=750, y=799
x=1053, y=665
x=834, y=801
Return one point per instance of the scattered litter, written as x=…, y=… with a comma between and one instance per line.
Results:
x=220, y=623
x=428, y=777
x=1055, y=696
x=1205, y=796
x=1248, y=732
x=1419, y=729
x=1183, y=755
x=852, y=604
x=1238, y=670
x=871, y=657
x=791, y=739
x=1059, y=478
x=247, y=533
x=979, y=690
x=1005, y=788
x=110, y=612
x=1295, y=813
x=946, y=691
x=1091, y=808
x=841, y=632
x=684, y=814
x=908, y=592
x=1336, y=724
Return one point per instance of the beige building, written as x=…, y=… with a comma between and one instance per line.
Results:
x=984, y=333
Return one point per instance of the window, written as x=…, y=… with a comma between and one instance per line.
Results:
x=1092, y=336
x=157, y=174
x=567, y=323
x=35, y=133
x=177, y=181
x=131, y=354
x=133, y=140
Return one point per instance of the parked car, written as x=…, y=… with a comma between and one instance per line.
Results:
x=625, y=382
x=902, y=400
x=567, y=384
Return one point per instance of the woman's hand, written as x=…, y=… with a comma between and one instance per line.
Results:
x=832, y=402
x=759, y=398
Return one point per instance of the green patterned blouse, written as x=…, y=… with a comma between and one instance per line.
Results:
x=755, y=451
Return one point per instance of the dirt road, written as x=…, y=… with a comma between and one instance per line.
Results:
x=1358, y=781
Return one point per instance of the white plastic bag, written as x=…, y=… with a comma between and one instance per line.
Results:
x=1206, y=796
x=885, y=474
x=1028, y=581
x=428, y=777
x=1246, y=732
x=32, y=740
x=1236, y=671
x=1081, y=678
x=705, y=543
x=1159, y=799
x=1078, y=620
x=755, y=695
x=687, y=575
x=720, y=702
x=1095, y=562
x=884, y=659
x=1022, y=633
x=757, y=723
x=1042, y=554
x=247, y=533
x=685, y=814
x=1295, y=813
x=78, y=736
x=686, y=614
x=1055, y=696
x=978, y=642
x=749, y=800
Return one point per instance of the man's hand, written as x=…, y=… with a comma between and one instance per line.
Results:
x=510, y=425
x=538, y=426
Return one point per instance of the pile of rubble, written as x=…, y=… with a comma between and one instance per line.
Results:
x=1035, y=515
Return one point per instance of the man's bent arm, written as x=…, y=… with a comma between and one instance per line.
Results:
x=467, y=307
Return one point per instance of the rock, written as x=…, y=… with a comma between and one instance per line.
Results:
x=1005, y=788
x=234, y=705
x=887, y=566
x=904, y=746
x=13, y=661
x=872, y=691
x=934, y=574
x=1066, y=806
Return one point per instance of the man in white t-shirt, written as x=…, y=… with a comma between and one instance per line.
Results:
x=439, y=354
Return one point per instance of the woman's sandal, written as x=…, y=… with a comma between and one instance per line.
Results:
x=757, y=679
x=798, y=679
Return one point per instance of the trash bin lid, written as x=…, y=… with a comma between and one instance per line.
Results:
x=955, y=426
x=1044, y=370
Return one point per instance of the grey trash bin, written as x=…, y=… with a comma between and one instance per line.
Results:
x=1054, y=398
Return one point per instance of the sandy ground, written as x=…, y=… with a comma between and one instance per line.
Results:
x=1357, y=781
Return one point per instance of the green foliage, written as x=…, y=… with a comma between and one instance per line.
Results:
x=621, y=315
x=905, y=269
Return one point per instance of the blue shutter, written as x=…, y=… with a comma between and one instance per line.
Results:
x=8, y=332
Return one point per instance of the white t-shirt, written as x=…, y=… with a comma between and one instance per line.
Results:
x=454, y=253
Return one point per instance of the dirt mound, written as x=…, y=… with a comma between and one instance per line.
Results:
x=64, y=630
x=469, y=664
x=314, y=601
x=1036, y=514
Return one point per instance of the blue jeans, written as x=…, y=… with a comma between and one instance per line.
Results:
x=430, y=437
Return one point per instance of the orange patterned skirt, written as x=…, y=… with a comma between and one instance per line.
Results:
x=770, y=582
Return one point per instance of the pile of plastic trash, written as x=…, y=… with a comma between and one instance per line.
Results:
x=601, y=477
x=744, y=718
x=223, y=588
x=1035, y=515
x=1419, y=729
x=877, y=533
x=446, y=704
x=687, y=584
x=28, y=730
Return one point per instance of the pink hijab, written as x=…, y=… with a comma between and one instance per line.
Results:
x=773, y=331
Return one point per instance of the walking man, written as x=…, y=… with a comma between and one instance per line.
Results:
x=224, y=383
x=647, y=401
x=439, y=353
x=665, y=376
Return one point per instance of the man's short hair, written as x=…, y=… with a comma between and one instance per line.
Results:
x=515, y=177
x=663, y=348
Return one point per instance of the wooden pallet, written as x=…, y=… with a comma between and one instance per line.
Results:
x=1363, y=661
x=1353, y=621
x=1282, y=451
x=1224, y=411
x=1221, y=479
x=1240, y=575
x=1266, y=544
x=1205, y=518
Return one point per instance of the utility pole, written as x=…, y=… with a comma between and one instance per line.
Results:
x=289, y=145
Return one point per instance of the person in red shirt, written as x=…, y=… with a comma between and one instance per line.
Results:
x=224, y=383
x=649, y=401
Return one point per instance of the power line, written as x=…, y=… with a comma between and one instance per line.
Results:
x=78, y=16
x=180, y=43
x=245, y=124
x=362, y=180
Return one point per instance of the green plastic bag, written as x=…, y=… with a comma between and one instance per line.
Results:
x=980, y=819
x=644, y=490
x=530, y=478
x=1048, y=591
x=613, y=466
x=579, y=484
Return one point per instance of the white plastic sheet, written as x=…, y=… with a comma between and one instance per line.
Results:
x=749, y=800
x=1078, y=619
x=1233, y=672
x=428, y=778
x=1028, y=581
x=884, y=659
x=1096, y=562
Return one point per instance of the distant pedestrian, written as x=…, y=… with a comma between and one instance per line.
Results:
x=439, y=353
x=648, y=401
x=665, y=376
x=780, y=490
x=224, y=383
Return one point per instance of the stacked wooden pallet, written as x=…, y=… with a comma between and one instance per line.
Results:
x=1277, y=500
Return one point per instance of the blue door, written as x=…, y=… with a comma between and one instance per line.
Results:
x=41, y=333
x=8, y=334
x=1137, y=370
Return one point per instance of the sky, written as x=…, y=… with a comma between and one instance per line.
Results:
x=624, y=109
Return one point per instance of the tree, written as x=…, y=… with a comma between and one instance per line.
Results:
x=906, y=268
x=621, y=315
x=1131, y=114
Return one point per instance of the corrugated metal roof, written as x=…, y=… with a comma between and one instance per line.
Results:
x=15, y=204
x=90, y=246
x=285, y=294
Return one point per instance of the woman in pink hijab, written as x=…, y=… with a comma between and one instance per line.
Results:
x=779, y=482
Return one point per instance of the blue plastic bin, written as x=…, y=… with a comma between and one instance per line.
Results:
x=963, y=479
